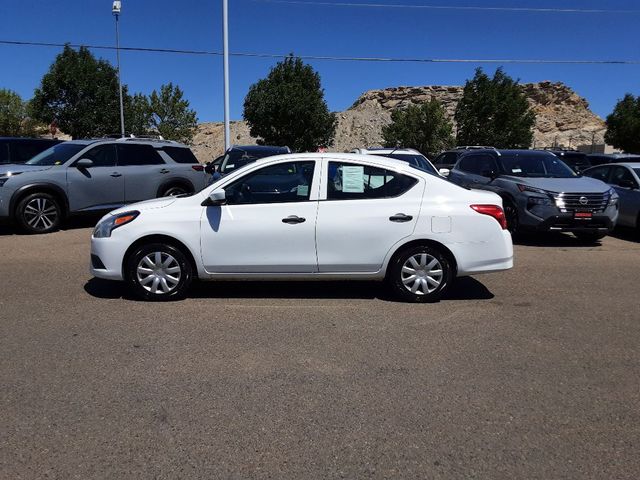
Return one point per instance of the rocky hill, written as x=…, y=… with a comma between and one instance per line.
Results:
x=563, y=118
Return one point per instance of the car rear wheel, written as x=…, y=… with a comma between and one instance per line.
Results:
x=420, y=274
x=39, y=213
x=589, y=237
x=174, y=190
x=159, y=272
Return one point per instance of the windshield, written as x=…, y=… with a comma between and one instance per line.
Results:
x=528, y=165
x=239, y=158
x=56, y=155
x=418, y=161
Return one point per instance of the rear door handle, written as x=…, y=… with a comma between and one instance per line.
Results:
x=293, y=219
x=401, y=218
x=116, y=174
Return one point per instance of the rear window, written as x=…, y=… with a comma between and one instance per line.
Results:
x=180, y=155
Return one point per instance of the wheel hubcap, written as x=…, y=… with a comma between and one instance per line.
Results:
x=422, y=274
x=159, y=273
x=40, y=213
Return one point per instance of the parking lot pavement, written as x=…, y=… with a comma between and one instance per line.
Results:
x=531, y=373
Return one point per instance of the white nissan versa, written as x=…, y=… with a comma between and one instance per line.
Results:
x=308, y=216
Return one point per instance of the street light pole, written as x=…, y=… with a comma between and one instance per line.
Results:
x=117, y=6
x=225, y=60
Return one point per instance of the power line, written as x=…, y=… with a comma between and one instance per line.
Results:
x=451, y=7
x=330, y=57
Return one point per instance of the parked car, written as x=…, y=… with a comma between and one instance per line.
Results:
x=238, y=156
x=88, y=175
x=20, y=150
x=308, y=216
x=409, y=155
x=446, y=160
x=577, y=161
x=602, y=158
x=540, y=192
x=625, y=180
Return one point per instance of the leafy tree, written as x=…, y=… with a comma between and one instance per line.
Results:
x=14, y=120
x=81, y=93
x=170, y=114
x=623, y=125
x=423, y=127
x=494, y=111
x=137, y=114
x=288, y=108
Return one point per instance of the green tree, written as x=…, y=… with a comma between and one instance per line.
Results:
x=494, y=111
x=14, y=120
x=81, y=93
x=623, y=125
x=288, y=108
x=137, y=114
x=424, y=127
x=170, y=114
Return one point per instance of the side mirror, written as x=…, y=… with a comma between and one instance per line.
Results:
x=444, y=172
x=84, y=163
x=215, y=198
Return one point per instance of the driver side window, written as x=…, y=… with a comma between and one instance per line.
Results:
x=281, y=183
x=102, y=156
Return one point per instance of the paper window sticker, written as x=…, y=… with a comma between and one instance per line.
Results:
x=352, y=179
x=303, y=190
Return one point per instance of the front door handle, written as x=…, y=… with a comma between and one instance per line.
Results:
x=293, y=219
x=401, y=218
x=164, y=170
x=116, y=174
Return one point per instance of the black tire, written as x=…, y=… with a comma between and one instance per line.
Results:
x=511, y=214
x=589, y=237
x=39, y=213
x=403, y=285
x=174, y=190
x=158, y=284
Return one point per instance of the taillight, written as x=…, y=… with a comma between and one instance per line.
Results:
x=493, y=211
x=198, y=168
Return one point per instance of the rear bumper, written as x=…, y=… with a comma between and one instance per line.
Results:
x=484, y=257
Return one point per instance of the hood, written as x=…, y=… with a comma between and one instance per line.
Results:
x=17, y=168
x=146, y=205
x=564, y=185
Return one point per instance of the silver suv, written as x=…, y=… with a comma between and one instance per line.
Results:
x=84, y=176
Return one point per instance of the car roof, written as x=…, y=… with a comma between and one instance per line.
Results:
x=135, y=141
x=382, y=150
x=258, y=148
x=507, y=151
x=390, y=162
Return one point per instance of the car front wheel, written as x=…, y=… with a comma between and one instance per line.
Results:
x=159, y=272
x=39, y=213
x=420, y=274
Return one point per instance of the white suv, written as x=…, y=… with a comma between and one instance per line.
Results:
x=308, y=216
x=409, y=155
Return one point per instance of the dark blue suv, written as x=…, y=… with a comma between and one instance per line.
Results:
x=540, y=192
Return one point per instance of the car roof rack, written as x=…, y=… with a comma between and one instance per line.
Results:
x=474, y=147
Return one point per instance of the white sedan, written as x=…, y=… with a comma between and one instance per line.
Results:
x=311, y=216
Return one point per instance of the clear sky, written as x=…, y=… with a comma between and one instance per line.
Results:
x=256, y=26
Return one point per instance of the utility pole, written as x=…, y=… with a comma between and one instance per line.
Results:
x=225, y=60
x=117, y=7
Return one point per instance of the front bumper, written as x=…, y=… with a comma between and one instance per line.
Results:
x=106, y=258
x=566, y=222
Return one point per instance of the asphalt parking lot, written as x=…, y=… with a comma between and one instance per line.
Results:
x=531, y=373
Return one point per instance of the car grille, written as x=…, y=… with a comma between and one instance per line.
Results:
x=592, y=202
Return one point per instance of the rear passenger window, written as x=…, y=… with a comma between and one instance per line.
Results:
x=348, y=181
x=132, y=154
x=180, y=155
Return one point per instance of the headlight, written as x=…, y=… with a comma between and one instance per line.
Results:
x=540, y=201
x=108, y=225
x=527, y=188
x=613, y=198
